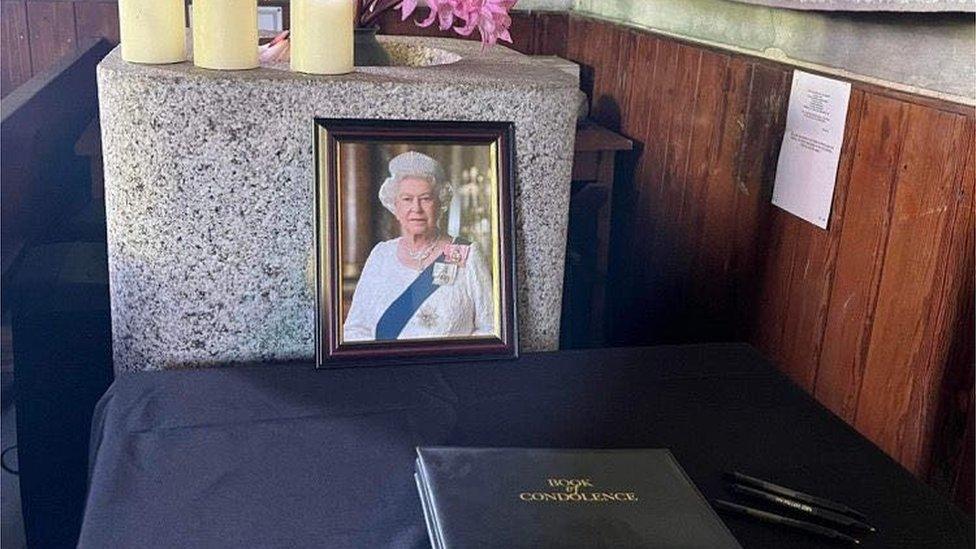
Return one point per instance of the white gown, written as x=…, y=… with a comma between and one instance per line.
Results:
x=463, y=308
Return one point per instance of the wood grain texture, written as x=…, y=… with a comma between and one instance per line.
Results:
x=962, y=478
x=711, y=270
x=764, y=124
x=796, y=283
x=15, y=65
x=861, y=254
x=872, y=315
x=624, y=270
x=97, y=20
x=551, y=31
x=952, y=456
x=648, y=316
x=814, y=264
x=711, y=100
x=52, y=33
x=668, y=239
x=898, y=376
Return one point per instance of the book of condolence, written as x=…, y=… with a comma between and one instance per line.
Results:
x=520, y=497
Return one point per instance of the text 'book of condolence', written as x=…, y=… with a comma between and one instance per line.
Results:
x=539, y=498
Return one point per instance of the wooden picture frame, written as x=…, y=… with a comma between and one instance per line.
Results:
x=366, y=197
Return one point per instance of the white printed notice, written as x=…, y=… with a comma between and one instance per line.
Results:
x=807, y=167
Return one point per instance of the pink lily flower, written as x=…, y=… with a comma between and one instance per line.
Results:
x=489, y=17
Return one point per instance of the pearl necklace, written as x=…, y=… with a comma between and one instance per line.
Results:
x=420, y=256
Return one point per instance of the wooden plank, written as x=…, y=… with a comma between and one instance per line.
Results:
x=552, y=33
x=649, y=317
x=684, y=103
x=764, y=125
x=711, y=274
x=710, y=101
x=598, y=70
x=957, y=396
x=97, y=20
x=610, y=88
x=860, y=254
x=778, y=249
x=622, y=325
x=649, y=97
x=709, y=104
x=576, y=50
x=42, y=177
x=898, y=376
x=964, y=478
x=952, y=357
x=669, y=236
x=951, y=361
x=523, y=32
x=590, y=138
x=813, y=267
x=52, y=33
x=585, y=166
x=641, y=64
x=15, y=66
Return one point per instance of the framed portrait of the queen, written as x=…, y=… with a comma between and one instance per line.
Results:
x=414, y=241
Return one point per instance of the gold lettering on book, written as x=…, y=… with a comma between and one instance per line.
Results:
x=572, y=491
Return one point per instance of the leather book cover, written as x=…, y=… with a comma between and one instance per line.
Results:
x=539, y=498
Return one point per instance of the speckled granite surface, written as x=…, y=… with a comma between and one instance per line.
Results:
x=209, y=175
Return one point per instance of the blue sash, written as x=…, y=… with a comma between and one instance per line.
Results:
x=406, y=304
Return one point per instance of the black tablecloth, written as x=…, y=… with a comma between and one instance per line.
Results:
x=286, y=456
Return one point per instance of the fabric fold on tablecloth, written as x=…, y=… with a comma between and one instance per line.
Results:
x=350, y=436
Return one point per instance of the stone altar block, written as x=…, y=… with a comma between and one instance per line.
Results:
x=209, y=191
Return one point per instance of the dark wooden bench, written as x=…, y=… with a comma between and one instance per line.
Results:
x=44, y=181
x=55, y=284
x=588, y=251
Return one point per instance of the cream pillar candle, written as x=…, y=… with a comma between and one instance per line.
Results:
x=322, y=36
x=152, y=31
x=225, y=34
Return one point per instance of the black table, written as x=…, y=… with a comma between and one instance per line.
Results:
x=285, y=456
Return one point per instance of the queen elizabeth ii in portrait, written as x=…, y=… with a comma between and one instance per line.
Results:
x=424, y=283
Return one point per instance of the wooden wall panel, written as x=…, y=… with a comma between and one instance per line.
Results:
x=860, y=255
x=899, y=372
x=710, y=102
x=667, y=241
x=645, y=318
x=798, y=273
x=764, y=124
x=52, y=33
x=872, y=315
x=711, y=300
x=813, y=268
x=640, y=66
x=15, y=66
x=551, y=31
x=97, y=20
x=952, y=456
x=963, y=480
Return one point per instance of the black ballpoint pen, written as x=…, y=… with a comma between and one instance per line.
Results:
x=801, y=507
x=773, y=518
x=794, y=494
